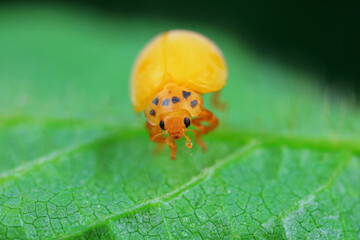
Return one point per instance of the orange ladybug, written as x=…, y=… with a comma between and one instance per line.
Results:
x=167, y=80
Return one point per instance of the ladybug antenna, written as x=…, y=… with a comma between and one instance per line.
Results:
x=159, y=134
x=188, y=141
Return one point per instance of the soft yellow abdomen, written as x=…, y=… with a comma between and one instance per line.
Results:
x=182, y=57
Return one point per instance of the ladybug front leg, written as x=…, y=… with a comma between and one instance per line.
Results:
x=204, y=116
x=172, y=145
x=157, y=136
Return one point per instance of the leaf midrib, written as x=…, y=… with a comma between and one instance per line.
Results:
x=202, y=177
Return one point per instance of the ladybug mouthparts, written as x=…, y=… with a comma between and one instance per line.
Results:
x=176, y=135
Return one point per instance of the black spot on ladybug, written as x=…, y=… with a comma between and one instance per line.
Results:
x=175, y=99
x=193, y=103
x=186, y=94
x=165, y=102
x=156, y=101
x=152, y=112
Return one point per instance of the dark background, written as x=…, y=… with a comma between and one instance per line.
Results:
x=321, y=36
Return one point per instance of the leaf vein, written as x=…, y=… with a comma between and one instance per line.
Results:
x=165, y=222
x=203, y=176
x=305, y=200
x=18, y=171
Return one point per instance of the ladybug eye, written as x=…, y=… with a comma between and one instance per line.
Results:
x=187, y=122
x=162, y=124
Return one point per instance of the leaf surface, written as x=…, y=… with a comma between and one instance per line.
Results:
x=76, y=162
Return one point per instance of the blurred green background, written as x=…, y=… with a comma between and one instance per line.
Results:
x=320, y=36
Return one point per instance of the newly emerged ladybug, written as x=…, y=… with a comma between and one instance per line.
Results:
x=168, y=78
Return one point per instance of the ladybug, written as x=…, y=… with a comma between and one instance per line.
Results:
x=168, y=79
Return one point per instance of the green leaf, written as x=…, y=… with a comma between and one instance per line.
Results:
x=76, y=162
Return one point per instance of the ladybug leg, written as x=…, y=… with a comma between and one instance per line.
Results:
x=172, y=145
x=200, y=141
x=204, y=116
x=156, y=135
x=216, y=103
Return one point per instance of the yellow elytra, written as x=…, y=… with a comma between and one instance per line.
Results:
x=167, y=80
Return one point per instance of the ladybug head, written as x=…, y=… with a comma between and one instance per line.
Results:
x=175, y=123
